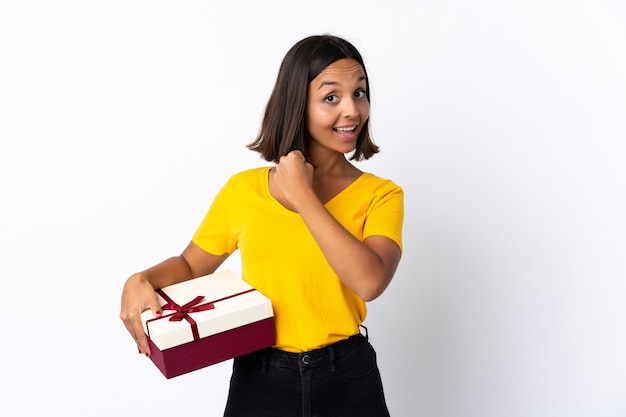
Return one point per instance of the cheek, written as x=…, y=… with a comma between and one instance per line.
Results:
x=364, y=110
x=321, y=118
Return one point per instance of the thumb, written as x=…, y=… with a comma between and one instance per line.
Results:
x=154, y=305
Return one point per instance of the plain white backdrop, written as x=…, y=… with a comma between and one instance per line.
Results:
x=504, y=122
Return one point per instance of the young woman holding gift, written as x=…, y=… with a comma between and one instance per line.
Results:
x=316, y=235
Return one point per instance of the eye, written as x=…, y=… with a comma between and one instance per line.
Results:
x=330, y=99
x=360, y=93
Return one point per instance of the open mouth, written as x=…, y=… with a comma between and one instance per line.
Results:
x=345, y=129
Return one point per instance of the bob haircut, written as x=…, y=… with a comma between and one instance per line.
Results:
x=283, y=128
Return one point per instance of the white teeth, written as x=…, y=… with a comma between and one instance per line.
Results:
x=345, y=129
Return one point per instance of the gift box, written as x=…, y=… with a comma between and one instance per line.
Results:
x=207, y=320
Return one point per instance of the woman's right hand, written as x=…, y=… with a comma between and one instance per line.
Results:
x=138, y=296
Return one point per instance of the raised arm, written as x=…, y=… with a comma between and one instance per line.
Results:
x=365, y=267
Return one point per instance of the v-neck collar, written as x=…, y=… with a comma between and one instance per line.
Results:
x=266, y=187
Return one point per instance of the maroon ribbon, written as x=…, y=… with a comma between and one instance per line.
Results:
x=185, y=309
x=182, y=312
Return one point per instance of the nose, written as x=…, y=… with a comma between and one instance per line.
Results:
x=350, y=108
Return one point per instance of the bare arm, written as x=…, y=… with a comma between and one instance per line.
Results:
x=365, y=267
x=139, y=295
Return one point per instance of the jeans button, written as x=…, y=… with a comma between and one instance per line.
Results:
x=306, y=359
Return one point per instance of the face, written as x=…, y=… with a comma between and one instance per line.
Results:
x=337, y=107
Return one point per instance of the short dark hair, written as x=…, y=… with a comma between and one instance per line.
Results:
x=283, y=128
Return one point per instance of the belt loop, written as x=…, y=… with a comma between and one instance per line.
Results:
x=367, y=337
x=331, y=353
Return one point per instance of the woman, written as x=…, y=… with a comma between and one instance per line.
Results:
x=316, y=235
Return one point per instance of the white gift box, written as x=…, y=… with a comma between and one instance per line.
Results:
x=207, y=320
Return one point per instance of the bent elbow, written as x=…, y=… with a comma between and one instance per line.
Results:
x=371, y=292
x=369, y=297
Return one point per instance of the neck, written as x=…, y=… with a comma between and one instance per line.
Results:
x=335, y=165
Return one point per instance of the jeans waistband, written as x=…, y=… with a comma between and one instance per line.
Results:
x=313, y=358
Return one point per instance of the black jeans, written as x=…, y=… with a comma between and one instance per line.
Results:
x=336, y=381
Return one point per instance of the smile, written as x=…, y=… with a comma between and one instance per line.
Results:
x=345, y=129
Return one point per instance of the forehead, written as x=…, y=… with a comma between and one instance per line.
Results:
x=346, y=69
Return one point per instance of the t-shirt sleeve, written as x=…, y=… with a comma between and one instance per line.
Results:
x=386, y=214
x=216, y=234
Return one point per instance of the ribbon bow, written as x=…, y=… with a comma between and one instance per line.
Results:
x=182, y=311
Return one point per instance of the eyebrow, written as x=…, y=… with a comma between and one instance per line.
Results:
x=361, y=78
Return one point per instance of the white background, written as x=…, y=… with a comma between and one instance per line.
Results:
x=504, y=122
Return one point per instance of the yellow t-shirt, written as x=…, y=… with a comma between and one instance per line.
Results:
x=280, y=258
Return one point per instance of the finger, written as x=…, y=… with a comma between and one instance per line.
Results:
x=141, y=338
x=154, y=306
x=134, y=326
x=142, y=343
x=282, y=162
x=300, y=155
